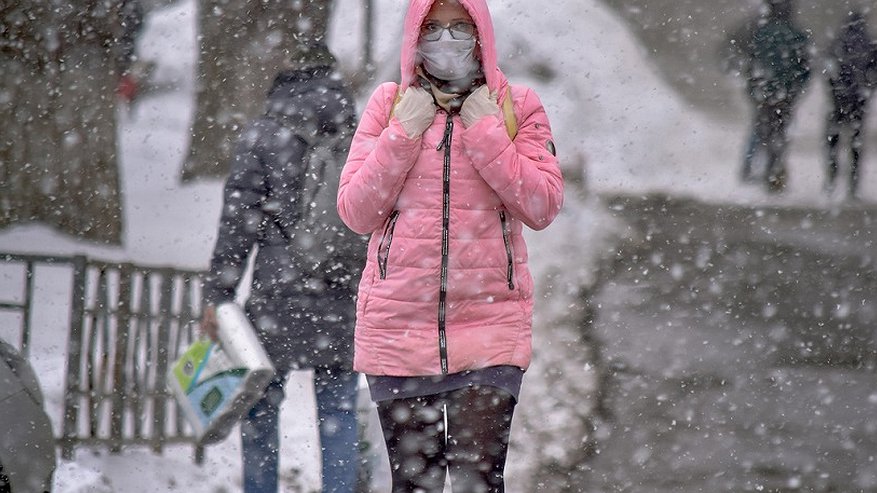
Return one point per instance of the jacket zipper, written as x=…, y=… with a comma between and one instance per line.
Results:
x=384, y=252
x=507, y=240
x=446, y=220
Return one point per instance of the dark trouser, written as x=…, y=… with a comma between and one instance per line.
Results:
x=769, y=135
x=472, y=447
x=850, y=118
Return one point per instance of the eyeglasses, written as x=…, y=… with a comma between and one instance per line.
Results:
x=432, y=31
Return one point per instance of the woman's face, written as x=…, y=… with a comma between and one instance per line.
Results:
x=447, y=12
x=448, y=41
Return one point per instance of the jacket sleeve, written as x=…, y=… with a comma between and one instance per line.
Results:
x=381, y=154
x=241, y=220
x=524, y=172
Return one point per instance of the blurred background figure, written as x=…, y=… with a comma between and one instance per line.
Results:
x=850, y=69
x=133, y=72
x=772, y=53
x=305, y=271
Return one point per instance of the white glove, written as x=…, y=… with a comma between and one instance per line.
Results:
x=479, y=104
x=415, y=111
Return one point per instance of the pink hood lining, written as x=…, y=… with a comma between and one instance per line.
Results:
x=417, y=10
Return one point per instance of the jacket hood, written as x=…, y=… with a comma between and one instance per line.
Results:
x=417, y=10
x=315, y=101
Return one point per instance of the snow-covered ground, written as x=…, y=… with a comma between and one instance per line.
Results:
x=618, y=127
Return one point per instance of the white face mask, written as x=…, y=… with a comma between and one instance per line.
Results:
x=447, y=58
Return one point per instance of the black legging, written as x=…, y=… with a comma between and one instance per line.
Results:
x=845, y=115
x=473, y=448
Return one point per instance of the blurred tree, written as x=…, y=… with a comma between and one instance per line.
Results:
x=57, y=103
x=243, y=45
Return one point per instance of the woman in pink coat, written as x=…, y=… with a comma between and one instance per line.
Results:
x=445, y=170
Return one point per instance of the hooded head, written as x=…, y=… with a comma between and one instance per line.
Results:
x=485, y=46
x=312, y=54
x=856, y=17
x=780, y=8
x=313, y=101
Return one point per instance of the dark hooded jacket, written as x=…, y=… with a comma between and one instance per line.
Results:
x=304, y=314
x=852, y=61
x=775, y=52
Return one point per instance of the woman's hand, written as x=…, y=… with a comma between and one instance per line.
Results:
x=479, y=104
x=209, y=325
x=415, y=111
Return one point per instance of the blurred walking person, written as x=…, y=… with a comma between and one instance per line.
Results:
x=772, y=53
x=851, y=67
x=133, y=71
x=445, y=180
x=306, y=267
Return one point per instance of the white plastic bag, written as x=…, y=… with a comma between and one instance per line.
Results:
x=216, y=384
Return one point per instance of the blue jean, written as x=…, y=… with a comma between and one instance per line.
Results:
x=336, y=415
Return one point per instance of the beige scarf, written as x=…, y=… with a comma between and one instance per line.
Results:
x=442, y=98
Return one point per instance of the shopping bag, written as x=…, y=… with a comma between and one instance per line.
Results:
x=216, y=384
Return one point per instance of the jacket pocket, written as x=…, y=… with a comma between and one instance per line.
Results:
x=384, y=245
x=510, y=256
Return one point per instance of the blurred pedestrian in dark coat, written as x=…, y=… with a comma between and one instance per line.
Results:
x=851, y=69
x=772, y=54
x=131, y=74
x=302, y=309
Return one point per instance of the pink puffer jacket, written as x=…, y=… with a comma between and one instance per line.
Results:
x=446, y=292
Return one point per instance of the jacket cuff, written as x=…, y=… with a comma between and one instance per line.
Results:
x=216, y=296
x=485, y=141
x=395, y=146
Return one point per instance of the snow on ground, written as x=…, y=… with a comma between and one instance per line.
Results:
x=618, y=129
